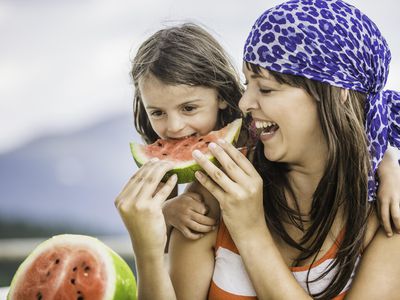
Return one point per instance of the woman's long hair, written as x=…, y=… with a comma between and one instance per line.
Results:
x=343, y=184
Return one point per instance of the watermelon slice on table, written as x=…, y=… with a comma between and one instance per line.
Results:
x=180, y=151
x=75, y=267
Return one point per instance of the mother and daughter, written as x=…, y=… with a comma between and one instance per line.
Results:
x=296, y=216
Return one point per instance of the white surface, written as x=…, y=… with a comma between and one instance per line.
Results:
x=3, y=293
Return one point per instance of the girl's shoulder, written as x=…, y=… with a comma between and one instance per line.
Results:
x=373, y=225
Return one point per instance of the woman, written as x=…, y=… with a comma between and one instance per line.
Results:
x=299, y=225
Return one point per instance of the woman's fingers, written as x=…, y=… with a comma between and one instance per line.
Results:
x=210, y=185
x=238, y=157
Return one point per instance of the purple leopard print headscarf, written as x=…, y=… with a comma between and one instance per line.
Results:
x=334, y=42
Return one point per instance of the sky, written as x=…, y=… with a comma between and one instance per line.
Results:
x=65, y=64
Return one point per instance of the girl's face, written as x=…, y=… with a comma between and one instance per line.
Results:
x=178, y=111
x=286, y=119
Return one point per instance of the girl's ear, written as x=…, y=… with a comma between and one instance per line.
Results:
x=222, y=104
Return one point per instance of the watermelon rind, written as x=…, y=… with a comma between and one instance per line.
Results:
x=121, y=283
x=185, y=170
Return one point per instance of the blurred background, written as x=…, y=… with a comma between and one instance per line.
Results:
x=66, y=106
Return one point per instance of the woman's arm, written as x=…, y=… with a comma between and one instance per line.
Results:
x=239, y=193
x=191, y=264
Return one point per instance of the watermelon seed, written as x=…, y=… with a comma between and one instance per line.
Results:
x=80, y=298
x=200, y=139
x=79, y=292
x=39, y=296
x=87, y=269
x=159, y=144
x=57, y=261
x=207, y=143
x=165, y=154
x=73, y=281
x=74, y=269
x=48, y=274
x=186, y=145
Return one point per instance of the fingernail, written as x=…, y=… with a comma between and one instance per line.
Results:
x=389, y=234
x=197, y=154
x=154, y=159
x=221, y=141
x=212, y=145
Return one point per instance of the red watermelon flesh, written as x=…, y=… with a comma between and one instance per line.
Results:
x=64, y=273
x=180, y=150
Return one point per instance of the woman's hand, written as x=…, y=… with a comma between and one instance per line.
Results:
x=140, y=207
x=187, y=213
x=238, y=187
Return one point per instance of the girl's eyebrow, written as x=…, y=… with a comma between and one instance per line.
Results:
x=183, y=103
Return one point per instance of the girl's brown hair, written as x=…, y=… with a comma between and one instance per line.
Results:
x=189, y=55
x=343, y=185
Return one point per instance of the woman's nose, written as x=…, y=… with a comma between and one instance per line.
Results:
x=247, y=103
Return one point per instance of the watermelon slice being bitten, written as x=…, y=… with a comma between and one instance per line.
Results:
x=180, y=151
x=75, y=267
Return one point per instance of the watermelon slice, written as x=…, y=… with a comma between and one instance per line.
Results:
x=180, y=151
x=74, y=267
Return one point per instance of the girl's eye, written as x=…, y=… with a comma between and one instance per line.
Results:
x=188, y=108
x=156, y=113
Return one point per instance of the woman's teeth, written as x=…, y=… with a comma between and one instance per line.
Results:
x=263, y=124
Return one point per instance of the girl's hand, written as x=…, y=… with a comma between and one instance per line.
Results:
x=388, y=193
x=187, y=213
x=238, y=187
x=140, y=207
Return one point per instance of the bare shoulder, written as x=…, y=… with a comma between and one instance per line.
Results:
x=379, y=269
x=372, y=228
x=191, y=264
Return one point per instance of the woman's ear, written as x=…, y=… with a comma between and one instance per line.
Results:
x=222, y=104
x=344, y=95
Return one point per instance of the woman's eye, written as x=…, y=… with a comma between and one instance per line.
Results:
x=265, y=91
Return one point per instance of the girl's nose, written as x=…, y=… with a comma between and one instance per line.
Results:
x=175, y=123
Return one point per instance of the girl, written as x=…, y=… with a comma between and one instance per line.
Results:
x=303, y=156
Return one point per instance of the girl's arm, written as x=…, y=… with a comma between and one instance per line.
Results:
x=389, y=191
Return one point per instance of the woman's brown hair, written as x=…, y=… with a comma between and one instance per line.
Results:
x=344, y=184
x=185, y=54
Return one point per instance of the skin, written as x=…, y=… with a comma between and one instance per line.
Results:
x=177, y=111
x=238, y=190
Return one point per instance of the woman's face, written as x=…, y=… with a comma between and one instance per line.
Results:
x=178, y=111
x=286, y=119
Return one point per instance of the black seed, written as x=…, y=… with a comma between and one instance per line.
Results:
x=57, y=261
x=74, y=269
x=159, y=144
x=200, y=139
x=165, y=154
x=87, y=269
x=79, y=292
x=186, y=145
x=207, y=143
x=80, y=298
x=73, y=280
x=39, y=296
x=48, y=274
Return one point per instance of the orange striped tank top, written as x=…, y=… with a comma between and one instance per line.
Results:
x=230, y=280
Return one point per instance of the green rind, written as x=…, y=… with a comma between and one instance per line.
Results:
x=125, y=283
x=185, y=174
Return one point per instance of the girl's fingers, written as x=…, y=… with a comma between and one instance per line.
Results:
x=166, y=189
x=204, y=220
x=152, y=178
x=196, y=227
x=385, y=218
x=214, y=172
x=214, y=189
x=395, y=212
x=238, y=157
